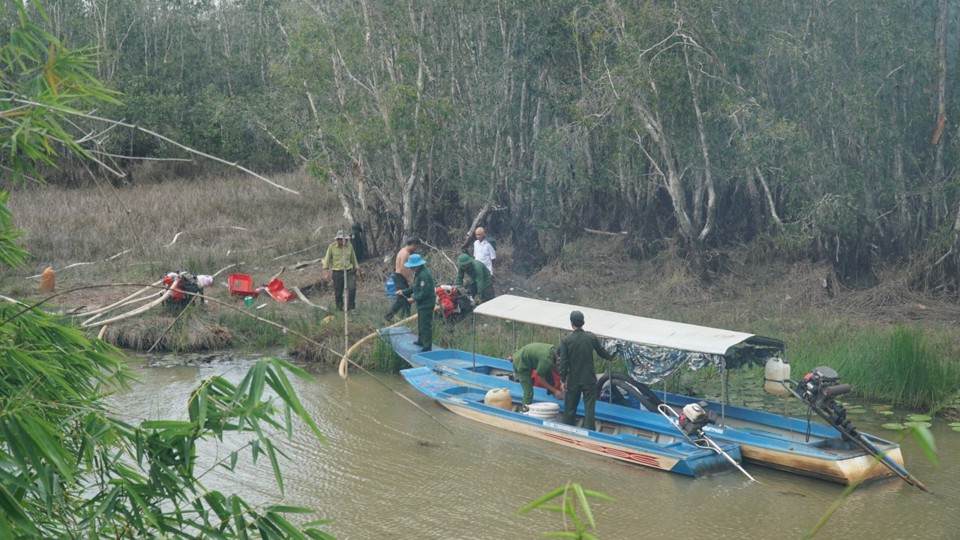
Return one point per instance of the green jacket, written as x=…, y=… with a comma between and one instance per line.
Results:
x=576, y=357
x=478, y=273
x=423, y=291
x=534, y=357
x=340, y=258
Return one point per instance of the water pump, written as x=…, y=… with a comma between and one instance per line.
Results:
x=694, y=416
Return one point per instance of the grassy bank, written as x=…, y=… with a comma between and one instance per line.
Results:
x=104, y=242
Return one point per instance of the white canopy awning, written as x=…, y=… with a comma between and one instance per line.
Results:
x=607, y=324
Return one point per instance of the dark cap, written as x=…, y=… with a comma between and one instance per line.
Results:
x=576, y=317
x=411, y=240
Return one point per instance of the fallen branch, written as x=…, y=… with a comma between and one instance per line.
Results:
x=127, y=300
x=304, y=299
x=300, y=265
x=189, y=150
x=131, y=313
x=215, y=274
x=594, y=231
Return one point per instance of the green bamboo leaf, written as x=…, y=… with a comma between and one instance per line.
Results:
x=145, y=513
x=258, y=376
x=598, y=495
x=584, y=505
x=927, y=443
x=277, y=474
x=172, y=426
x=571, y=512
x=286, y=509
x=318, y=535
x=538, y=502
x=281, y=385
x=13, y=513
x=46, y=440
x=201, y=403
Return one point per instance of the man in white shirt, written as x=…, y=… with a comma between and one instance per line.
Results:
x=483, y=250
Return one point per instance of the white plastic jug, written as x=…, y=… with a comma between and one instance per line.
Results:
x=775, y=371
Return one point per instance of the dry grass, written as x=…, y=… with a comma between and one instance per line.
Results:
x=175, y=224
x=101, y=235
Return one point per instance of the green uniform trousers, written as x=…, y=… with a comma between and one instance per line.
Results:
x=425, y=327
x=572, y=400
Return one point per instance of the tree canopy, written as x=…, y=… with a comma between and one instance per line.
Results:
x=808, y=130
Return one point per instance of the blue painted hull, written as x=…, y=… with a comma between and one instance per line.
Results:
x=629, y=436
x=789, y=444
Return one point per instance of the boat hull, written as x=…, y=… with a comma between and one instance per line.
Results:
x=765, y=439
x=631, y=443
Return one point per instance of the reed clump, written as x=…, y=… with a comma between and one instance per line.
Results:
x=906, y=366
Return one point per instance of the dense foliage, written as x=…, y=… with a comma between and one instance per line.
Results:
x=70, y=467
x=805, y=129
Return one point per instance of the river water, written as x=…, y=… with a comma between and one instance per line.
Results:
x=390, y=469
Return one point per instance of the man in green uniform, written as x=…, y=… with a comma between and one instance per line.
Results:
x=424, y=293
x=479, y=280
x=341, y=261
x=538, y=357
x=577, y=371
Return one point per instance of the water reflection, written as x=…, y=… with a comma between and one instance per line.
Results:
x=391, y=470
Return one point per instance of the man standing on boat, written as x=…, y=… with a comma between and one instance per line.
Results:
x=577, y=371
x=402, y=277
x=475, y=276
x=536, y=358
x=424, y=294
x=341, y=261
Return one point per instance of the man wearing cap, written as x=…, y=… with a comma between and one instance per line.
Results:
x=479, y=280
x=402, y=276
x=424, y=294
x=341, y=261
x=536, y=358
x=483, y=249
x=577, y=371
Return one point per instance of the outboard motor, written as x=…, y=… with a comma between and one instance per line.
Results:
x=821, y=386
x=819, y=389
x=694, y=416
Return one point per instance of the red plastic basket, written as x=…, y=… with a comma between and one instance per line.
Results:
x=241, y=285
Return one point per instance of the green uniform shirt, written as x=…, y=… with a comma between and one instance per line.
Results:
x=478, y=272
x=534, y=357
x=423, y=291
x=576, y=357
x=340, y=258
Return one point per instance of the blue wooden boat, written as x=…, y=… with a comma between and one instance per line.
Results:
x=623, y=434
x=804, y=447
